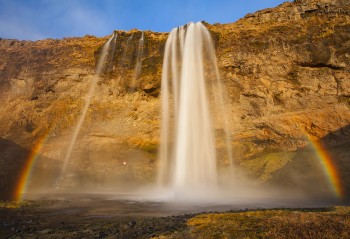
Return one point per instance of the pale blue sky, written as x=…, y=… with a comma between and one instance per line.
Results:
x=38, y=19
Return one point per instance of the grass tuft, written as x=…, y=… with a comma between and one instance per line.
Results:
x=330, y=223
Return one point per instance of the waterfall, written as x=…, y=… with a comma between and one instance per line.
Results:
x=191, y=94
x=124, y=60
x=138, y=64
x=99, y=69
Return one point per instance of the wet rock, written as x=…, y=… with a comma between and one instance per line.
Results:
x=132, y=224
x=45, y=231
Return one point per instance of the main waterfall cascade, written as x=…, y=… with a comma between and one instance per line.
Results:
x=191, y=93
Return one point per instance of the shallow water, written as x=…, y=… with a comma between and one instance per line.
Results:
x=98, y=215
x=125, y=205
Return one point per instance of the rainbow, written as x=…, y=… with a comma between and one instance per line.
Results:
x=326, y=160
x=329, y=167
x=25, y=174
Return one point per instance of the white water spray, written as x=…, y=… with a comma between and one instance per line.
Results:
x=188, y=151
x=99, y=69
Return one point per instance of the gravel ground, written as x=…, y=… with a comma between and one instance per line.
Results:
x=67, y=219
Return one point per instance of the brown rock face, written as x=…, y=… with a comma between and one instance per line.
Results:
x=286, y=70
x=286, y=73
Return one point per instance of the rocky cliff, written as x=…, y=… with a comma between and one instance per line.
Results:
x=286, y=71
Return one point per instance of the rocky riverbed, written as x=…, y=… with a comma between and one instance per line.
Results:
x=96, y=216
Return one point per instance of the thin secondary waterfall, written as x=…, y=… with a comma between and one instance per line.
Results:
x=125, y=62
x=188, y=152
x=126, y=56
x=99, y=69
x=138, y=64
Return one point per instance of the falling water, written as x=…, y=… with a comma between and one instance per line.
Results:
x=99, y=69
x=188, y=152
x=139, y=56
x=138, y=64
x=124, y=60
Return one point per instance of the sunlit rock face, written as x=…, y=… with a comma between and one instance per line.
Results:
x=286, y=70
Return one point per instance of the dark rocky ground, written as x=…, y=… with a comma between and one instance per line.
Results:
x=89, y=216
x=67, y=219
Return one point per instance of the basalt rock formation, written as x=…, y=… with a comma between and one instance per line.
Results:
x=286, y=71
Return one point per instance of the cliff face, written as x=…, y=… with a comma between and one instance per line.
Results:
x=287, y=67
x=286, y=70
